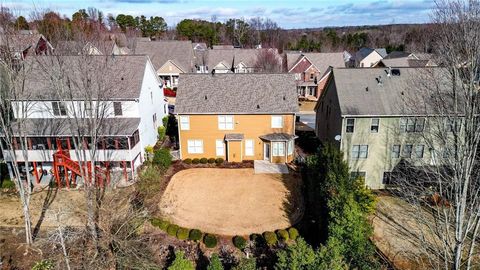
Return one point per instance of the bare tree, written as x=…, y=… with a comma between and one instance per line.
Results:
x=13, y=127
x=446, y=191
x=268, y=60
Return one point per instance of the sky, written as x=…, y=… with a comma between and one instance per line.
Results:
x=287, y=14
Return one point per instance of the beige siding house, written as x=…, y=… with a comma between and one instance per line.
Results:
x=237, y=116
x=368, y=114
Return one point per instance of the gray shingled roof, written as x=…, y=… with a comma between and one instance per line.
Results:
x=397, y=95
x=236, y=93
x=324, y=60
x=246, y=56
x=62, y=127
x=292, y=59
x=180, y=52
x=116, y=77
x=364, y=52
x=278, y=137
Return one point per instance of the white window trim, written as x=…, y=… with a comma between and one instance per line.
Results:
x=224, y=125
x=274, y=123
x=184, y=126
x=275, y=149
x=252, y=148
x=217, y=148
x=194, y=146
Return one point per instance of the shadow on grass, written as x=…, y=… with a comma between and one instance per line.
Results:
x=293, y=203
x=47, y=202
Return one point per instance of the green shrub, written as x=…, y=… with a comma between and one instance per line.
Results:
x=195, y=161
x=210, y=240
x=155, y=222
x=161, y=133
x=172, y=229
x=195, y=235
x=219, y=160
x=165, y=121
x=270, y=238
x=254, y=236
x=43, y=265
x=293, y=233
x=215, y=263
x=162, y=158
x=163, y=225
x=282, y=235
x=239, y=242
x=183, y=233
x=8, y=184
x=246, y=264
x=188, y=161
x=149, y=149
x=180, y=262
x=203, y=160
x=211, y=160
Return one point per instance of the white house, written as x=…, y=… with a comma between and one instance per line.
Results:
x=368, y=57
x=124, y=89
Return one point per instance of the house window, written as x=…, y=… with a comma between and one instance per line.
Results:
x=278, y=149
x=419, y=151
x=225, y=122
x=412, y=124
x=312, y=91
x=360, y=151
x=184, y=123
x=59, y=108
x=311, y=76
x=453, y=125
x=396, y=151
x=249, y=147
x=88, y=107
x=350, y=125
x=154, y=120
x=195, y=146
x=407, y=151
x=220, y=147
x=357, y=174
x=374, y=126
x=290, y=147
x=298, y=76
x=277, y=121
x=117, y=108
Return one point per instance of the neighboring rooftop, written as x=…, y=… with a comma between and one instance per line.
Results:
x=255, y=93
x=320, y=60
x=180, y=52
x=369, y=91
x=364, y=52
x=116, y=77
x=227, y=56
x=397, y=54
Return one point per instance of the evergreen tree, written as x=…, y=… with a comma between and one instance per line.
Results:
x=215, y=263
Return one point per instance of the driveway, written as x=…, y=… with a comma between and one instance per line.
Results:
x=232, y=201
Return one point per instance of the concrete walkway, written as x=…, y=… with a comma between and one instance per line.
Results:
x=262, y=166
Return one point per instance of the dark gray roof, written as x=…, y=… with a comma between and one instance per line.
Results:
x=359, y=92
x=226, y=56
x=364, y=52
x=180, y=52
x=234, y=137
x=397, y=54
x=278, y=137
x=236, y=93
x=64, y=127
x=115, y=77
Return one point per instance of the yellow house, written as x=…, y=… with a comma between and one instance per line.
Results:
x=237, y=116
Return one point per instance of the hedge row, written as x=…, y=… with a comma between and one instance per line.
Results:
x=181, y=233
x=218, y=161
x=210, y=240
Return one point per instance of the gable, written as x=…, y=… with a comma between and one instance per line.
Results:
x=221, y=65
x=169, y=67
x=301, y=66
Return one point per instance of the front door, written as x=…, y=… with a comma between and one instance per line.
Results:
x=266, y=151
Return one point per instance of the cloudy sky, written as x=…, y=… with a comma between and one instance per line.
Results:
x=287, y=13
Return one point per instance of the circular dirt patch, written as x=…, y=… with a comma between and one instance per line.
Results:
x=231, y=201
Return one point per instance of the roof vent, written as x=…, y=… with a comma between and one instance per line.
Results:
x=258, y=106
x=366, y=89
x=395, y=72
x=206, y=97
x=283, y=97
x=402, y=93
x=121, y=78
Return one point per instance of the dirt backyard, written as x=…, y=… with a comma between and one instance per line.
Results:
x=232, y=201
